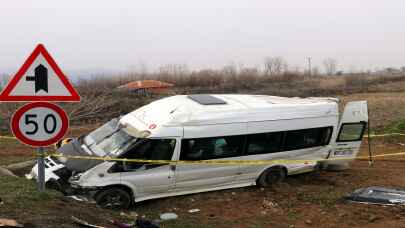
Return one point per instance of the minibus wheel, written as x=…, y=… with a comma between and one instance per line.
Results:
x=113, y=198
x=271, y=176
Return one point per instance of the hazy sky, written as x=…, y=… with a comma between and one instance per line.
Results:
x=118, y=35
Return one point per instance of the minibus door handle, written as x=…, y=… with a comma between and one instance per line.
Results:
x=173, y=167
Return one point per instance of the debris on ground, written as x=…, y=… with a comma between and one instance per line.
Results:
x=9, y=223
x=194, y=210
x=122, y=225
x=267, y=204
x=143, y=223
x=78, y=198
x=131, y=215
x=378, y=195
x=6, y=172
x=373, y=218
x=168, y=216
x=83, y=223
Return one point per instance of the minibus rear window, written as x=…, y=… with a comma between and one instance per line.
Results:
x=351, y=132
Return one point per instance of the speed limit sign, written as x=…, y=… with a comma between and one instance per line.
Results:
x=39, y=124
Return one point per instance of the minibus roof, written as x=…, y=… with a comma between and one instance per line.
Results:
x=203, y=109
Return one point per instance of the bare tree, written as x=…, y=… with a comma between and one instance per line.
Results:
x=93, y=106
x=174, y=69
x=6, y=112
x=230, y=69
x=330, y=65
x=315, y=71
x=275, y=65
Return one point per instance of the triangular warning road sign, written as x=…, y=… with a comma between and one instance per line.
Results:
x=39, y=79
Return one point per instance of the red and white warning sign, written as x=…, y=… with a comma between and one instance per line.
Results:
x=39, y=79
x=39, y=124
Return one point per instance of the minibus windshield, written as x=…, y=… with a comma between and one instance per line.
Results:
x=109, y=140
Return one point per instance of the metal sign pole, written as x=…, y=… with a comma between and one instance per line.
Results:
x=41, y=169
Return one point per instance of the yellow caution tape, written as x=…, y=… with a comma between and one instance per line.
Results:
x=223, y=162
x=384, y=135
x=7, y=137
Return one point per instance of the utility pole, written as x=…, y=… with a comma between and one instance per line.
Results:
x=309, y=66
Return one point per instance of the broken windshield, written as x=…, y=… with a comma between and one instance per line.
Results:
x=109, y=139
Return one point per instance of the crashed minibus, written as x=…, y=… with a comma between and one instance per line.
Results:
x=298, y=134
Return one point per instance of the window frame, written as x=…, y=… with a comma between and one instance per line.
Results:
x=363, y=123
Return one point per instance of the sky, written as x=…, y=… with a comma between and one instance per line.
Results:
x=103, y=36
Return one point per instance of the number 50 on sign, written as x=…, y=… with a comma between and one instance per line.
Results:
x=39, y=124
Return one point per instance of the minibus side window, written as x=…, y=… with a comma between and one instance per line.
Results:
x=264, y=143
x=211, y=148
x=305, y=138
x=150, y=149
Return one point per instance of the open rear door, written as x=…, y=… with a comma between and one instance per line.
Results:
x=350, y=133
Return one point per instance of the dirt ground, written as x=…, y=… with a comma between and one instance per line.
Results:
x=306, y=200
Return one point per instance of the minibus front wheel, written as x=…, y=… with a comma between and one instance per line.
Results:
x=113, y=198
x=272, y=176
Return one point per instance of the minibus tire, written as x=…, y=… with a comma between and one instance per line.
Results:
x=113, y=198
x=271, y=176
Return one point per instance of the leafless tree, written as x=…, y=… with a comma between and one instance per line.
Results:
x=275, y=65
x=92, y=106
x=230, y=69
x=330, y=65
x=315, y=71
x=6, y=112
x=174, y=69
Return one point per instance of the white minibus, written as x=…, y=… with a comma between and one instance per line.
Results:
x=294, y=135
